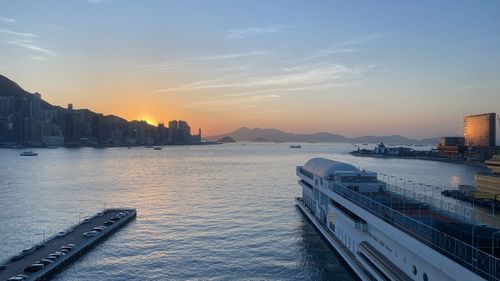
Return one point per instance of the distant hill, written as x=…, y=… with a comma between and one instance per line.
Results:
x=275, y=135
x=226, y=139
x=9, y=88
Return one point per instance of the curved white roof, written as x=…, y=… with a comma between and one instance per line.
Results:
x=324, y=167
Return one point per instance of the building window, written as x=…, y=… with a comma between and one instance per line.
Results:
x=414, y=270
x=425, y=278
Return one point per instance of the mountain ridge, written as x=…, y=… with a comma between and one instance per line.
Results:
x=276, y=135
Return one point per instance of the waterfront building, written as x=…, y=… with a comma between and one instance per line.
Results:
x=382, y=149
x=173, y=131
x=179, y=132
x=162, y=134
x=71, y=126
x=480, y=130
x=490, y=182
x=184, y=132
x=386, y=231
x=451, y=146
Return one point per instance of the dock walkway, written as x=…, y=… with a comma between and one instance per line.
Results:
x=16, y=265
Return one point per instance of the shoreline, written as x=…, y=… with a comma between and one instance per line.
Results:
x=426, y=158
x=20, y=146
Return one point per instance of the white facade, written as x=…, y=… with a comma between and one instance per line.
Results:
x=374, y=248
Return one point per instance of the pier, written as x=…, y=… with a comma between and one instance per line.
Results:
x=65, y=247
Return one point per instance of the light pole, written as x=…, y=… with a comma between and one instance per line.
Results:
x=404, y=198
x=432, y=189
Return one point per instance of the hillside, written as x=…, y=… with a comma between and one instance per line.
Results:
x=275, y=135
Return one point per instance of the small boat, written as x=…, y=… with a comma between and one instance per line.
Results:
x=157, y=148
x=295, y=146
x=28, y=153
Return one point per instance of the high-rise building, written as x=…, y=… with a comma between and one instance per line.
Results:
x=162, y=134
x=173, y=128
x=480, y=130
x=184, y=132
x=72, y=126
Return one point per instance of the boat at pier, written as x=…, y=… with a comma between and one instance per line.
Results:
x=384, y=231
x=28, y=153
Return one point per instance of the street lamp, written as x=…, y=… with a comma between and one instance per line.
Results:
x=404, y=197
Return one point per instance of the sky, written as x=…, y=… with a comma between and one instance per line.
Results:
x=413, y=68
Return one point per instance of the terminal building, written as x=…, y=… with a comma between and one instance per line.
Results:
x=490, y=182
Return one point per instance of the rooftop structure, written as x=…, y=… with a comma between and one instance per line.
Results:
x=327, y=168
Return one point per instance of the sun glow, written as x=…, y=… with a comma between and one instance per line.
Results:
x=149, y=120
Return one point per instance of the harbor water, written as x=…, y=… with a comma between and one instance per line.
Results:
x=215, y=212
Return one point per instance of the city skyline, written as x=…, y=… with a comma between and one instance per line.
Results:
x=328, y=66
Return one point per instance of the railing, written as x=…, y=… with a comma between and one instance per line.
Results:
x=432, y=196
x=470, y=257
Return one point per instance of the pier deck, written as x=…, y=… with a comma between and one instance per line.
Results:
x=54, y=243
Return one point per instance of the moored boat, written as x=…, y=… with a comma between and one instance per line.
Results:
x=28, y=153
x=389, y=232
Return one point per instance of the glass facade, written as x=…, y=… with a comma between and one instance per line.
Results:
x=479, y=130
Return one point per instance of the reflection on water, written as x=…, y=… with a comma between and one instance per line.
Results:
x=204, y=212
x=455, y=181
x=315, y=258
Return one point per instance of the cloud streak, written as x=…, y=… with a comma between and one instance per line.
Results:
x=27, y=41
x=210, y=58
x=18, y=34
x=304, y=79
x=235, y=34
x=30, y=45
x=349, y=46
x=7, y=20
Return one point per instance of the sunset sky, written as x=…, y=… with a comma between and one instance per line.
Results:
x=413, y=68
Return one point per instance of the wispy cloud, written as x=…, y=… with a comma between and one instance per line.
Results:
x=349, y=46
x=280, y=78
x=230, y=56
x=361, y=40
x=7, y=20
x=27, y=41
x=39, y=58
x=246, y=32
x=19, y=34
x=209, y=58
x=304, y=79
x=245, y=100
x=30, y=45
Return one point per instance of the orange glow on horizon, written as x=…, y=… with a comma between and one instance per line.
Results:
x=148, y=120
